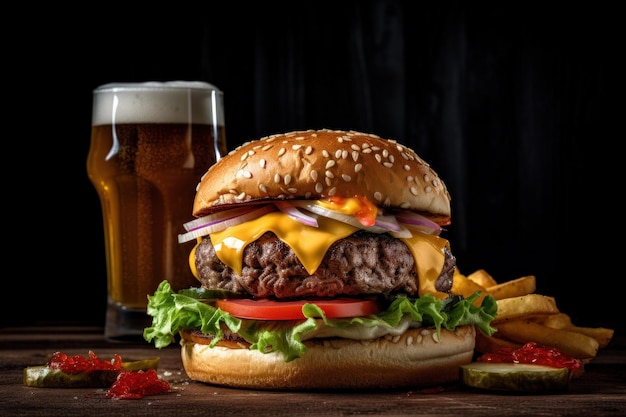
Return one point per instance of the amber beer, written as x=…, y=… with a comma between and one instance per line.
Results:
x=150, y=145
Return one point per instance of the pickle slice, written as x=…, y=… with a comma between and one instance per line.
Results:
x=514, y=377
x=142, y=365
x=44, y=377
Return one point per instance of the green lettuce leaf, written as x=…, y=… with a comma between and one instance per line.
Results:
x=172, y=312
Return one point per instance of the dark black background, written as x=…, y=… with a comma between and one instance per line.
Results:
x=514, y=104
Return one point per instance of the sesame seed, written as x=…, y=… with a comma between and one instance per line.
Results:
x=378, y=196
x=329, y=174
x=313, y=175
x=395, y=339
x=414, y=190
x=287, y=179
x=378, y=157
x=428, y=189
x=262, y=163
x=319, y=187
x=358, y=167
x=276, y=178
x=308, y=150
x=338, y=153
x=262, y=187
x=385, y=153
x=246, y=174
x=325, y=153
x=425, y=332
x=405, y=205
x=355, y=147
x=355, y=156
x=387, y=164
x=426, y=178
x=331, y=163
x=407, y=168
x=266, y=147
x=435, y=337
x=292, y=190
x=410, y=178
x=419, y=339
x=332, y=191
x=409, y=340
x=346, y=177
x=296, y=147
x=344, y=154
x=241, y=196
x=368, y=150
x=282, y=151
x=328, y=181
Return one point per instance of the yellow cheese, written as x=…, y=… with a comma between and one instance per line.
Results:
x=310, y=244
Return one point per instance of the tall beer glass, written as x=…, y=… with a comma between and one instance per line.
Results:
x=150, y=144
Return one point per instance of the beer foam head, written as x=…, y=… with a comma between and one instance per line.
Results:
x=158, y=102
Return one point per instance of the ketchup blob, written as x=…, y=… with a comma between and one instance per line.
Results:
x=532, y=353
x=80, y=364
x=134, y=385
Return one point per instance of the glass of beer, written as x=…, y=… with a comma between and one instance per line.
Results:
x=150, y=144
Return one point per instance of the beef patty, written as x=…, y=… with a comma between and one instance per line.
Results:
x=363, y=263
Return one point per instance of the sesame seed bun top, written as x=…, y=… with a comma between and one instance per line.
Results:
x=315, y=164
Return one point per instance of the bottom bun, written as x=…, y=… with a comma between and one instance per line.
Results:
x=416, y=359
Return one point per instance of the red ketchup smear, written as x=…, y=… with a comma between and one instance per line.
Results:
x=366, y=213
x=134, y=385
x=531, y=353
x=79, y=364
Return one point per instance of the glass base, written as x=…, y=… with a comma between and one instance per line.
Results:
x=125, y=324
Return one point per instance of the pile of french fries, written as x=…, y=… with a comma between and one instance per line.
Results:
x=524, y=316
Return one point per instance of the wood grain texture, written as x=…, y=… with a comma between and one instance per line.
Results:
x=600, y=392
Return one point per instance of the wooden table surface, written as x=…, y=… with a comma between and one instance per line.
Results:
x=600, y=392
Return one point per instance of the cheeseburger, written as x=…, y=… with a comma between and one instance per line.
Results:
x=321, y=266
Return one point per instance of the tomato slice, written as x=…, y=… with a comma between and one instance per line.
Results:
x=264, y=309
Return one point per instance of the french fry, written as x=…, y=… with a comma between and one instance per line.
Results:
x=482, y=278
x=514, y=288
x=524, y=316
x=524, y=307
x=485, y=344
x=564, y=322
x=466, y=287
x=556, y=321
x=602, y=335
x=571, y=343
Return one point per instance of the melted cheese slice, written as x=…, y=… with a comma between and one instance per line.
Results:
x=310, y=244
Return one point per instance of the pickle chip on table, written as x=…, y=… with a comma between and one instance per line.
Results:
x=515, y=377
